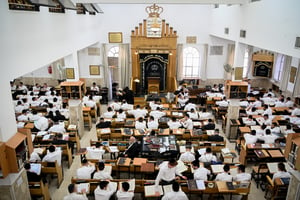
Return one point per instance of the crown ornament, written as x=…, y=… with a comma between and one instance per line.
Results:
x=154, y=10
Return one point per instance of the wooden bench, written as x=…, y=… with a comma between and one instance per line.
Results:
x=54, y=169
x=38, y=189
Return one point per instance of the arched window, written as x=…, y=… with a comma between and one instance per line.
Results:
x=113, y=52
x=113, y=56
x=191, y=62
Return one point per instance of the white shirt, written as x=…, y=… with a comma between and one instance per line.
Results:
x=121, y=115
x=296, y=111
x=115, y=106
x=34, y=117
x=75, y=196
x=166, y=173
x=157, y=114
x=201, y=173
x=250, y=139
x=189, y=106
x=104, y=194
x=57, y=128
x=95, y=88
x=85, y=172
x=53, y=156
x=223, y=103
x=249, y=122
x=23, y=118
x=193, y=115
x=175, y=196
x=19, y=108
x=108, y=114
x=224, y=177
x=281, y=174
x=138, y=113
x=280, y=104
x=256, y=104
x=289, y=104
x=188, y=124
x=187, y=157
x=153, y=124
x=269, y=139
x=34, y=156
x=154, y=106
x=182, y=102
x=242, y=177
x=90, y=103
x=174, y=125
x=140, y=125
x=102, y=175
x=122, y=195
x=208, y=157
x=268, y=111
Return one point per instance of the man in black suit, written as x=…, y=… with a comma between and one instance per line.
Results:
x=210, y=125
x=133, y=149
x=103, y=124
x=216, y=137
x=31, y=176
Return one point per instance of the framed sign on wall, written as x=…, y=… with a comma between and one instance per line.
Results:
x=115, y=37
x=70, y=73
x=94, y=70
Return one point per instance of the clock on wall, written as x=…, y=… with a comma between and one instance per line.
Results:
x=154, y=22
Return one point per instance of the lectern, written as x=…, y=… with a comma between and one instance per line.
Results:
x=153, y=85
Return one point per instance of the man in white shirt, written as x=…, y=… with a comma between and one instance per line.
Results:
x=267, y=110
x=124, y=193
x=270, y=92
x=257, y=103
x=267, y=120
x=208, y=157
x=167, y=173
x=152, y=123
x=154, y=105
x=140, y=123
x=223, y=103
x=157, y=114
x=23, y=117
x=115, y=105
x=200, y=173
x=74, y=195
x=242, y=175
x=101, y=173
x=94, y=88
x=187, y=122
x=109, y=114
x=190, y=106
x=252, y=111
x=224, y=176
x=104, y=191
x=289, y=103
x=250, y=138
x=95, y=152
x=280, y=103
x=193, y=114
x=90, y=103
x=86, y=170
x=41, y=124
x=268, y=137
x=57, y=128
x=296, y=112
x=275, y=129
x=53, y=155
x=176, y=194
x=182, y=101
x=138, y=112
x=20, y=107
x=282, y=173
x=187, y=156
x=249, y=121
x=173, y=123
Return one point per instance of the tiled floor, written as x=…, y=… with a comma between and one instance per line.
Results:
x=58, y=194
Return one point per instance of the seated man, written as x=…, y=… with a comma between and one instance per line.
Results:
x=133, y=149
x=152, y=123
x=103, y=124
x=242, y=175
x=269, y=138
x=74, y=195
x=95, y=89
x=200, y=173
x=249, y=121
x=157, y=114
x=224, y=176
x=223, y=103
x=140, y=123
x=101, y=174
x=109, y=114
x=86, y=170
x=210, y=126
x=193, y=114
x=123, y=193
x=57, y=128
x=216, y=137
x=173, y=123
x=104, y=191
x=187, y=122
x=95, y=152
x=250, y=138
x=187, y=156
x=175, y=194
x=282, y=173
x=208, y=157
x=190, y=106
x=31, y=176
x=53, y=155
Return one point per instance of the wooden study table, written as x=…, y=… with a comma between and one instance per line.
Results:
x=244, y=129
x=122, y=163
x=137, y=163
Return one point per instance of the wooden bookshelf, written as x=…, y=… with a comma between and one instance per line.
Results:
x=16, y=152
x=72, y=89
x=4, y=167
x=236, y=89
x=292, y=150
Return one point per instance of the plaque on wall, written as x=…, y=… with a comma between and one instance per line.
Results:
x=115, y=37
x=293, y=74
x=263, y=63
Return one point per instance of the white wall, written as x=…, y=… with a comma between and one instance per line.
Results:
x=40, y=72
x=270, y=24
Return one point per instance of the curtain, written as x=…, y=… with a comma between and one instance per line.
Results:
x=179, y=62
x=107, y=73
x=250, y=62
x=204, y=62
x=296, y=92
x=285, y=73
x=124, y=65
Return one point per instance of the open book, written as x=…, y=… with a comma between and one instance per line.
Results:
x=150, y=190
x=196, y=184
x=36, y=168
x=83, y=187
x=113, y=149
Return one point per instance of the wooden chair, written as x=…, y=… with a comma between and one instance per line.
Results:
x=259, y=174
x=54, y=169
x=39, y=189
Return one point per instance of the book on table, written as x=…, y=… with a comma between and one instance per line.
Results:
x=113, y=149
x=150, y=190
x=36, y=168
x=196, y=184
x=83, y=187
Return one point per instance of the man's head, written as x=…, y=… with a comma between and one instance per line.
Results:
x=226, y=168
x=125, y=186
x=253, y=132
x=101, y=166
x=175, y=186
x=217, y=131
x=241, y=168
x=27, y=166
x=172, y=163
x=195, y=164
x=51, y=148
x=71, y=188
x=208, y=150
x=84, y=161
x=103, y=184
x=132, y=140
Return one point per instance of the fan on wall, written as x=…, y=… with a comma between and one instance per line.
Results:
x=228, y=68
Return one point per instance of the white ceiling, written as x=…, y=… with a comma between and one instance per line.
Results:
x=162, y=1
